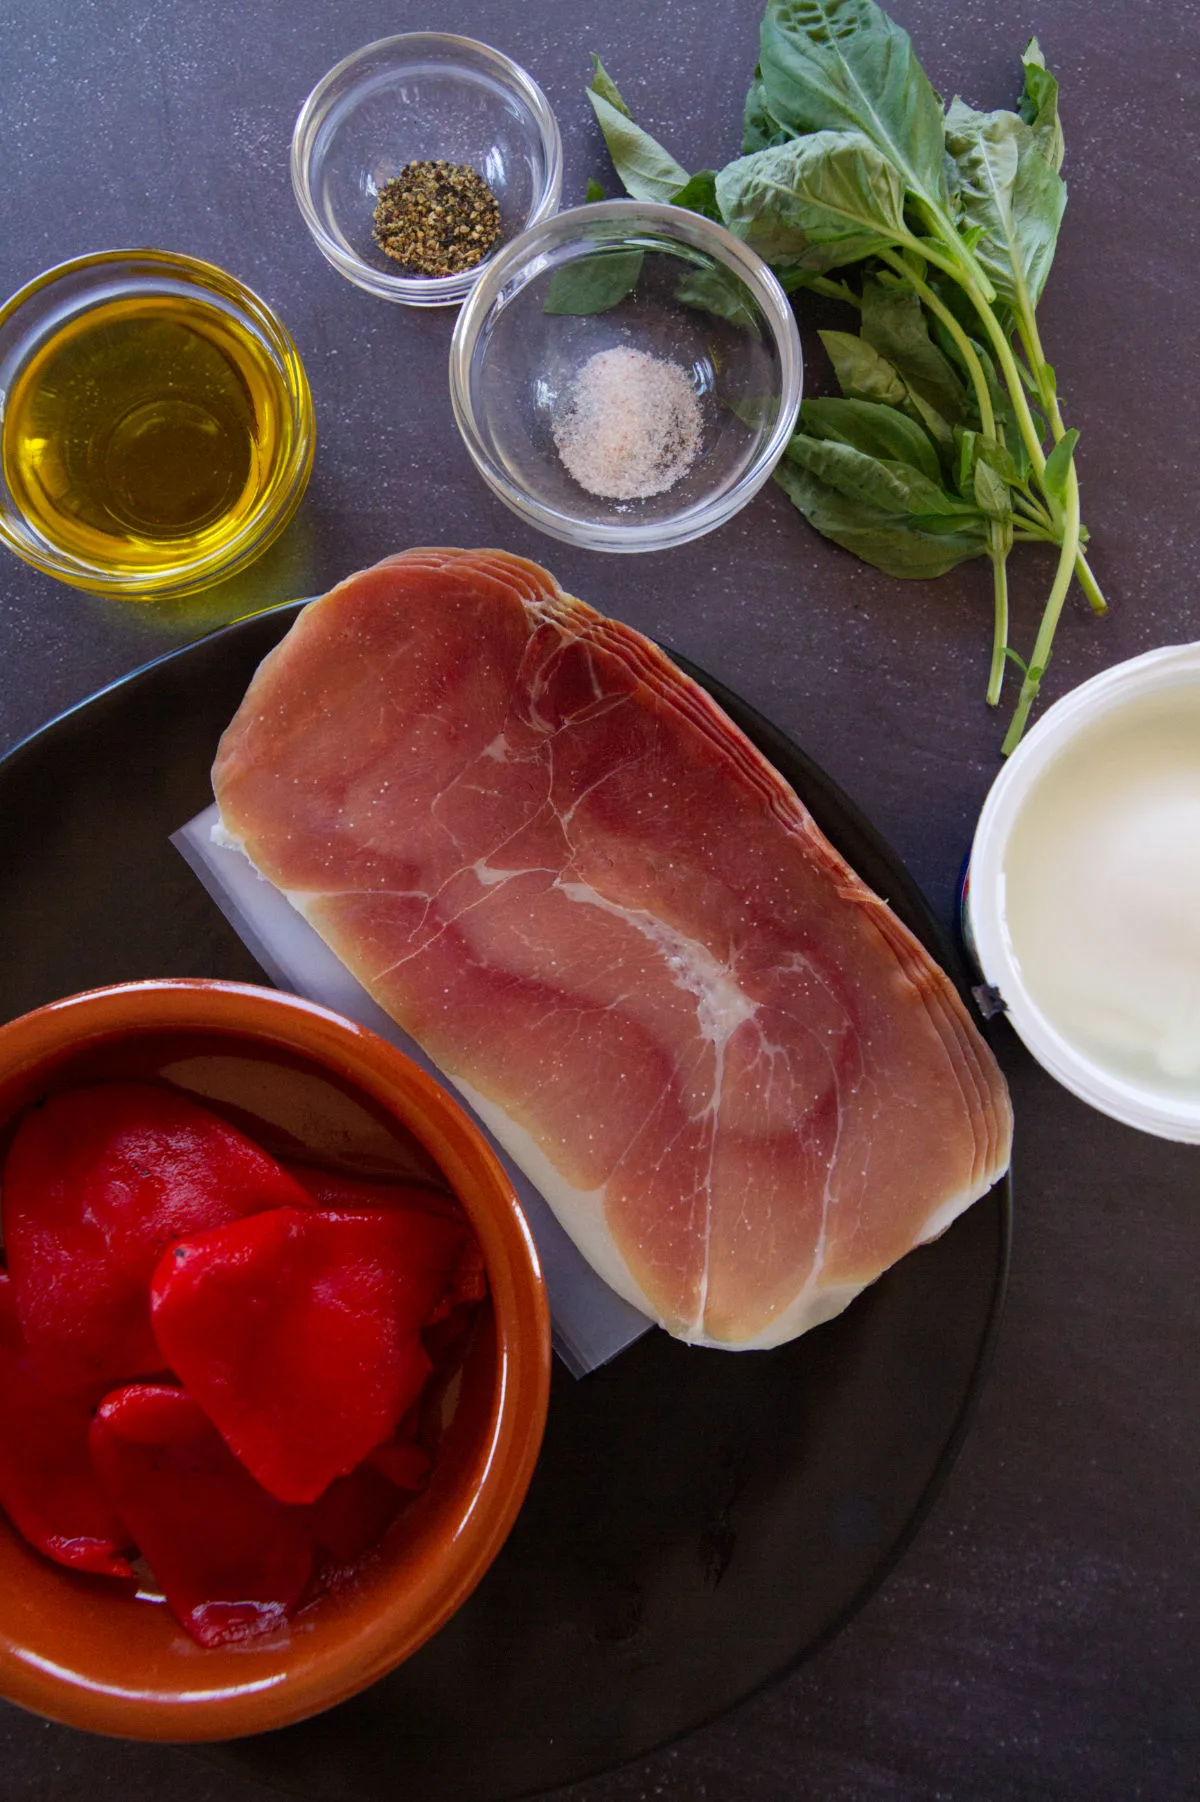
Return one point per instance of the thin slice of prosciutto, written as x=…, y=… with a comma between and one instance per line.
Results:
x=742, y=1085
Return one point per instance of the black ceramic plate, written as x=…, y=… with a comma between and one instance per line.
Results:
x=698, y=1521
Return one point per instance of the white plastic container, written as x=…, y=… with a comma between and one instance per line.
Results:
x=1082, y=904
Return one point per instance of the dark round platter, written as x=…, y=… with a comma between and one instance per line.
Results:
x=698, y=1521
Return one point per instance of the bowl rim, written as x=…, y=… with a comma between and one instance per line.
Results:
x=267, y=522
x=368, y=1648
x=428, y=291
x=686, y=226
x=1102, y=697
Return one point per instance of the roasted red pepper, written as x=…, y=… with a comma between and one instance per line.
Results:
x=339, y=1193
x=302, y=1311
x=231, y=1559
x=403, y=1462
x=97, y=1183
x=299, y=1332
x=353, y=1194
x=48, y=1485
x=354, y=1513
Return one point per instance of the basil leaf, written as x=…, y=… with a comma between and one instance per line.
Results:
x=593, y=284
x=699, y=195
x=603, y=84
x=888, y=541
x=886, y=482
x=1058, y=463
x=593, y=192
x=991, y=493
x=721, y=293
x=1039, y=105
x=965, y=442
x=1001, y=459
x=759, y=130
x=843, y=65
x=864, y=374
x=945, y=525
x=985, y=473
x=894, y=322
x=819, y=201
x=1006, y=185
x=861, y=372
x=878, y=430
x=647, y=170
x=939, y=428
x=792, y=278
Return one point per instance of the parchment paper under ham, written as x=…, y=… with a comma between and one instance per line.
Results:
x=742, y=1085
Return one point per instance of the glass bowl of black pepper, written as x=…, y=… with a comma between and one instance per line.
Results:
x=626, y=375
x=417, y=158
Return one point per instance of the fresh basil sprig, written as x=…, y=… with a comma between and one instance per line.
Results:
x=939, y=225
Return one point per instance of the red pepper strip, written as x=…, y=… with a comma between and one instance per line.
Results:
x=402, y=1461
x=97, y=1183
x=298, y=1332
x=48, y=1486
x=445, y=1340
x=232, y=1561
x=333, y=1190
x=468, y=1285
x=354, y=1513
x=353, y=1194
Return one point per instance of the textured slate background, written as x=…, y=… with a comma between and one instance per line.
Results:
x=1039, y=1639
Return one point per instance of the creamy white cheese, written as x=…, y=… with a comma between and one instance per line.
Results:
x=1101, y=892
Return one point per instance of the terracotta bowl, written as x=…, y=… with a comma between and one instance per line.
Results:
x=304, y=1082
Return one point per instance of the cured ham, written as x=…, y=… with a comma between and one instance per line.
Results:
x=742, y=1085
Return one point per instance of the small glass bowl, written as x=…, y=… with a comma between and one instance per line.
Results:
x=425, y=96
x=689, y=294
x=214, y=307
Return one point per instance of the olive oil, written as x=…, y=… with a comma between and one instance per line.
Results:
x=145, y=433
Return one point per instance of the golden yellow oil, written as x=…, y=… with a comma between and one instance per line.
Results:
x=145, y=433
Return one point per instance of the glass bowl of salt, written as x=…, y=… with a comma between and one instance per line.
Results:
x=626, y=375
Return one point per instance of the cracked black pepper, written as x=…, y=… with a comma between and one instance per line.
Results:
x=436, y=218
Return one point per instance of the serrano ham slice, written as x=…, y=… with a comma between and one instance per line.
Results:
x=740, y=1082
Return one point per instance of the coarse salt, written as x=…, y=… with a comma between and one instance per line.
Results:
x=630, y=425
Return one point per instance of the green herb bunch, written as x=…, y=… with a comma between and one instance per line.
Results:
x=938, y=225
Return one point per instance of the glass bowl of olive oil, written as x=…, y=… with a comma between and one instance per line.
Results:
x=156, y=424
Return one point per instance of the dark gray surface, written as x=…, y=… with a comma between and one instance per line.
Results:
x=1039, y=1639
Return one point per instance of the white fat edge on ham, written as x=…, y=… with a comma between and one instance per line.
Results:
x=581, y=1213
x=949, y=1211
